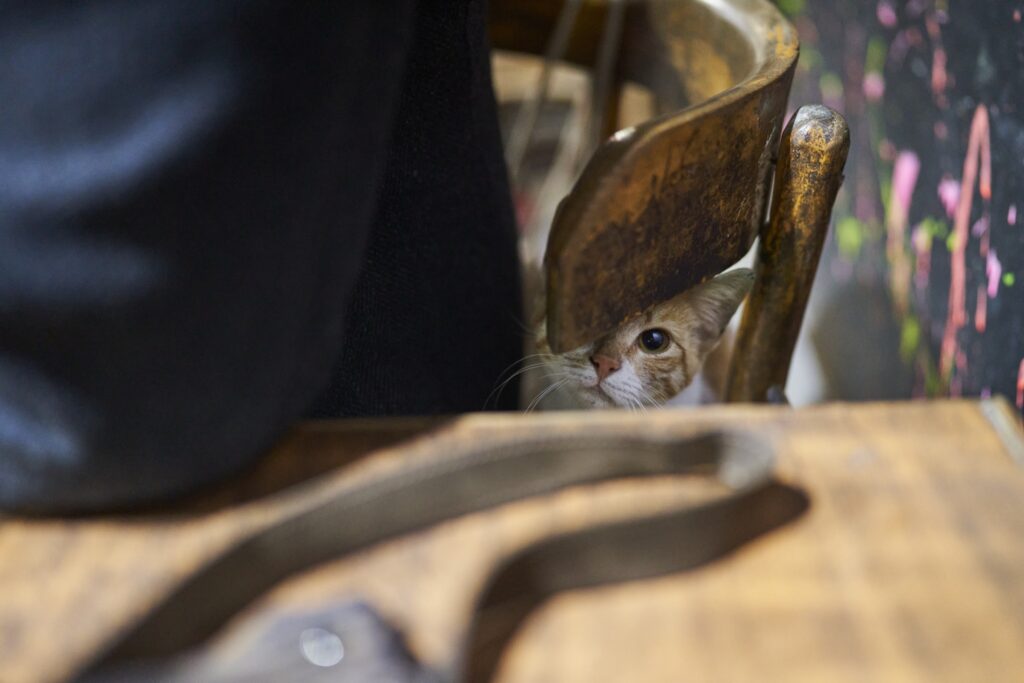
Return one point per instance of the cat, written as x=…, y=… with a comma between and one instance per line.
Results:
x=650, y=359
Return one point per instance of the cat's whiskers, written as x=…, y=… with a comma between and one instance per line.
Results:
x=528, y=331
x=546, y=359
x=649, y=399
x=654, y=356
x=633, y=400
x=497, y=391
x=545, y=392
x=633, y=395
x=646, y=399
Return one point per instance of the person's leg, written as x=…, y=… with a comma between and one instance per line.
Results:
x=435, y=315
x=186, y=189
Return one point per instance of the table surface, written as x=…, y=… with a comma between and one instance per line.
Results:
x=908, y=566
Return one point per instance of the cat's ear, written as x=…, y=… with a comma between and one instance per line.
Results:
x=715, y=302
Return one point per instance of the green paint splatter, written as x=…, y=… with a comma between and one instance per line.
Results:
x=922, y=241
x=850, y=237
x=933, y=384
x=951, y=242
x=874, y=60
x=1009, y=279
x=792, y=7
x=910, y=338
x=937, y=229
x=885, y=187
x=927, y=231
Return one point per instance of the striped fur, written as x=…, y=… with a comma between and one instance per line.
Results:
x=694, y=321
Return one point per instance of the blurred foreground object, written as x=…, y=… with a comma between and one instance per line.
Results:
x=912, y=541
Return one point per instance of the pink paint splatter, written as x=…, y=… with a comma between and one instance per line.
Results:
x=1011, y=215
x=977, y=167
x=1020, y=385
x=886, y=150
x=956, y=385
x=980, y=226
x=981, y=311
x=874, y=86
x=904, y=179
x=940, y=130
x=940, y=78
x=994, y=271
x=886, y=14
x=922, y=242
x=898, y=48
x=949, y=194
x=1016, y=15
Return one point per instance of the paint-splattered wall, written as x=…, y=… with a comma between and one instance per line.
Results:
x=921, y=289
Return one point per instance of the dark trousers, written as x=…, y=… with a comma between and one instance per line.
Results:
x=219, y=215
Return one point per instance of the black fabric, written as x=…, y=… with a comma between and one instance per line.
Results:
x=187, y=188
x=434, y=315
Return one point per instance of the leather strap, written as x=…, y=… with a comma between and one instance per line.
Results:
x=475, y=478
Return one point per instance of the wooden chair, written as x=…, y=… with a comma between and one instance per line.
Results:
x=667, y=204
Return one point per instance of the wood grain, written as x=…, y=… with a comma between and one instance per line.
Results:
x=908, y=567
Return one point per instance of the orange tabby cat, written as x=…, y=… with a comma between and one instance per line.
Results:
x=651, y=359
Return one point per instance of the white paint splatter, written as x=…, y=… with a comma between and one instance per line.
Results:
x=949, y=194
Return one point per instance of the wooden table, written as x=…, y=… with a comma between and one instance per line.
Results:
x=909, y=565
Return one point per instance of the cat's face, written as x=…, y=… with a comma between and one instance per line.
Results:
x=653, y=357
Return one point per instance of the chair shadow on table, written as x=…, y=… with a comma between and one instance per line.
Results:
x=606, y=554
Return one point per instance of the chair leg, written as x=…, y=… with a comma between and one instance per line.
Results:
x=812, y=153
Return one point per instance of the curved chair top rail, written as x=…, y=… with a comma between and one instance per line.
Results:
x=667, y=204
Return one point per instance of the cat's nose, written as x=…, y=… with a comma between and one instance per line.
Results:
x=604, y=366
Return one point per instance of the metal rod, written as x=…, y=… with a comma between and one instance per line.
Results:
x=602, y=89
x=526, y=117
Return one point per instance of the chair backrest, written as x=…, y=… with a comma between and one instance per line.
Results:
x=667, y=204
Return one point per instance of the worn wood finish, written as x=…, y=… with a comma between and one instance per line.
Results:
x=673, y=201
x=909, y=565
x=807, y=178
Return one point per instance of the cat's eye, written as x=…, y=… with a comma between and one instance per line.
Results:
x=653, y=341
